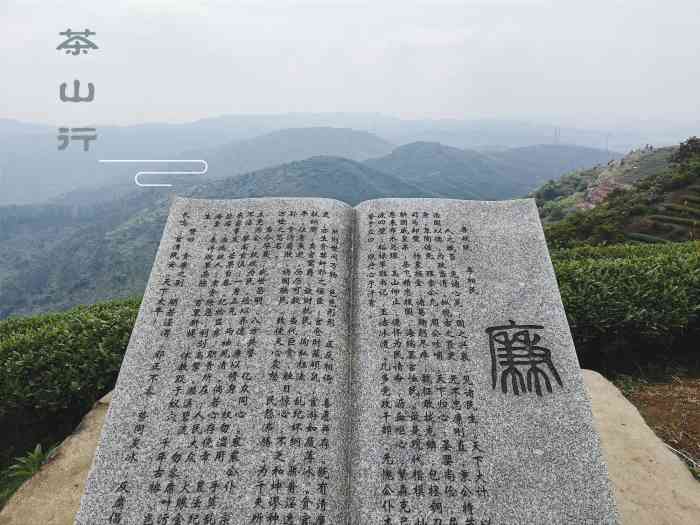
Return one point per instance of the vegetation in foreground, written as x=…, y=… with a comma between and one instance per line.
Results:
x=634, y=312
x=98, y=244
x=21, y=470
x=633, y=309
x=53, y=368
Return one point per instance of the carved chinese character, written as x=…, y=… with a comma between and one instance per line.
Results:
x=514, y=348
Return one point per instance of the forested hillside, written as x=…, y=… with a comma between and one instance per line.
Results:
x=54, y=257
x=97, y=244
x=468, y=174
x=57, y=256
x=662, y=205
x=32, y=170
x=289, y=145
x=584, y=189
x=629, y=307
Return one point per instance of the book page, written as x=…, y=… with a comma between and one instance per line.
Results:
x=469, y=406
x=230, y=407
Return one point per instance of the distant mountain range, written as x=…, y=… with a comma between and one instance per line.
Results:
x=98, y=240
x=463, y=174
x=32, y=170
x=480, y=134
x=58, y=255
x=323, y=176
x=95, y=244
x=288, y=145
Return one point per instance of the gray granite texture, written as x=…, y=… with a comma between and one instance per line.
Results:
x=530, y=458
x=199, y=431
x=300, y=362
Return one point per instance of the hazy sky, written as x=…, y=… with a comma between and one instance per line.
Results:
x=583, y=63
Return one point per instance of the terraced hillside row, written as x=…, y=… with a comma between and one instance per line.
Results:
x=663, y=206
x=585, y=189
x=678, y=218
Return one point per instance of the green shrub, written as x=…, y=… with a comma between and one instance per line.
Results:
x=630, y=302
x=53, y=367
x=626, y=303
x=603, y=224
x=627, y=251
x=57, y=361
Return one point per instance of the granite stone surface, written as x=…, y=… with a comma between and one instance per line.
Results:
x=301, y=362
x=230, y=407
x=469, y=404
x=652, y=485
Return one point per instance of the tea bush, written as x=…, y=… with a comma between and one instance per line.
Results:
x=62, y=360
x=53, y=367
x=626, y=305
x=626, y=251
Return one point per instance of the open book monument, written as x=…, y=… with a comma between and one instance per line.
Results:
x=303, y=362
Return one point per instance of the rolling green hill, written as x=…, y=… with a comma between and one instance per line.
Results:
x=97, y=244
x=627, y=306
x=33, y=170
x=466, y=174
x=584, y=189
x=445, y=171
x=331, y=177
x=59, y=255
x=289, y=145
x=541, y=162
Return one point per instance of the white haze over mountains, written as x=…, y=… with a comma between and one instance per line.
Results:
x=469, y=99
x=180, y=77
x=610, y=66
x=32, y=170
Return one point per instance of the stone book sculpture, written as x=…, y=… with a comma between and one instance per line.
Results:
x=303, y=362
